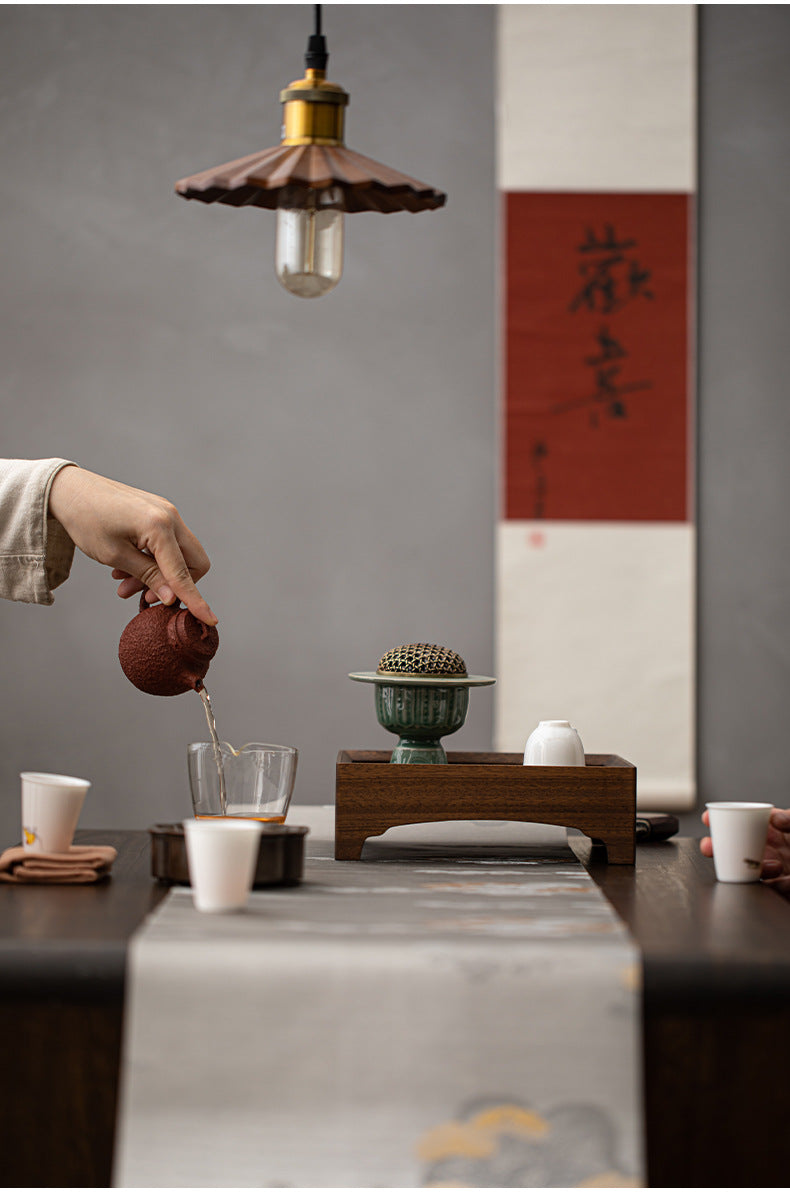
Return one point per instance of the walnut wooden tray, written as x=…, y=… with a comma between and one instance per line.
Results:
x=373, y=795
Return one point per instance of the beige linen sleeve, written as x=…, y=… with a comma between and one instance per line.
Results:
x=35, y=551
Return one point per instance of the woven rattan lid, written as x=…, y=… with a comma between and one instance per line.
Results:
x=422, y=659
x=421, y=663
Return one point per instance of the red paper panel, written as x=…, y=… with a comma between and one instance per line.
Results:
x=597, y=356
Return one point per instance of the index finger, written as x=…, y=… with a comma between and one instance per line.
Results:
x=187, y=591
x=177, y=578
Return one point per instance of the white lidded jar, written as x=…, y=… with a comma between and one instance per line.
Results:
x=554, y=744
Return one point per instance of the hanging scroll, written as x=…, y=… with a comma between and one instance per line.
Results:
x=595, y=545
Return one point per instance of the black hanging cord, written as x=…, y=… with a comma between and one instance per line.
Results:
x=317, y=54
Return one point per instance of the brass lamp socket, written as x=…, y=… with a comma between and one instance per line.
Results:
x=313, y=111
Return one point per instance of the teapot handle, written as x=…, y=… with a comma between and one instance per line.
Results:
x=144, y=605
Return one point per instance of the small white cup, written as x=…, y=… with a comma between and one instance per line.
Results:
x=739, y=830
x=51, y=807
x=554, y=744
x=222, y=855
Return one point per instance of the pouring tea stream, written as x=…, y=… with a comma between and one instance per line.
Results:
x=212, y=729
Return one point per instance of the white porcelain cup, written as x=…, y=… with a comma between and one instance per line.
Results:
x=222, y=855
x=554, y=744
x=739, y=830
x=51, y=807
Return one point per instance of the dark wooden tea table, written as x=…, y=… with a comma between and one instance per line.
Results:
x=62, y=971
x=716, y=1016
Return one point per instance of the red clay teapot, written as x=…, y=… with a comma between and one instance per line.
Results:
x=165, y=650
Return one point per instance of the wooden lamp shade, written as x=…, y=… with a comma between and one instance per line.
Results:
x=312, y=179
x=311, y=167
x=290, y=175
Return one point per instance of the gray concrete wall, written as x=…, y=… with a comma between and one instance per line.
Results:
x=744, y=416
x=336, y=457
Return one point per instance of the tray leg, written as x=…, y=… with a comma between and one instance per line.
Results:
x=351, y=833
x=349, y=839
x=620, y=851
x=348, y=848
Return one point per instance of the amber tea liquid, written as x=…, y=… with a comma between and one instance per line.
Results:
x=245, y=816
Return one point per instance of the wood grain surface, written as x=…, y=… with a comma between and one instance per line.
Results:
x=62, y=973
x=373, y=795
x=716, y=987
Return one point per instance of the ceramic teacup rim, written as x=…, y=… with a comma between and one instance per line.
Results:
x=221, y=824
x=737, y=805
x=55, y=781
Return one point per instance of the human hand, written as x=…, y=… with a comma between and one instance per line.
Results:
x=776, y=862
x=140, y=536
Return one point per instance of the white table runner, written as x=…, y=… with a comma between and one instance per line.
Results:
x=465, y=1014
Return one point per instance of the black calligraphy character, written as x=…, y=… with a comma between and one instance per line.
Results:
x=539, y=453
x=604, y=288
x=609, y=244
x=600, y=287
x=609, y=393
x=611, y=349
x=637, y=278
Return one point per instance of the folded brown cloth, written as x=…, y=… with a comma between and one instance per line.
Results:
x=82, y=864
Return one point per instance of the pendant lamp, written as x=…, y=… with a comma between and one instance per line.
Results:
x=311, y=179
